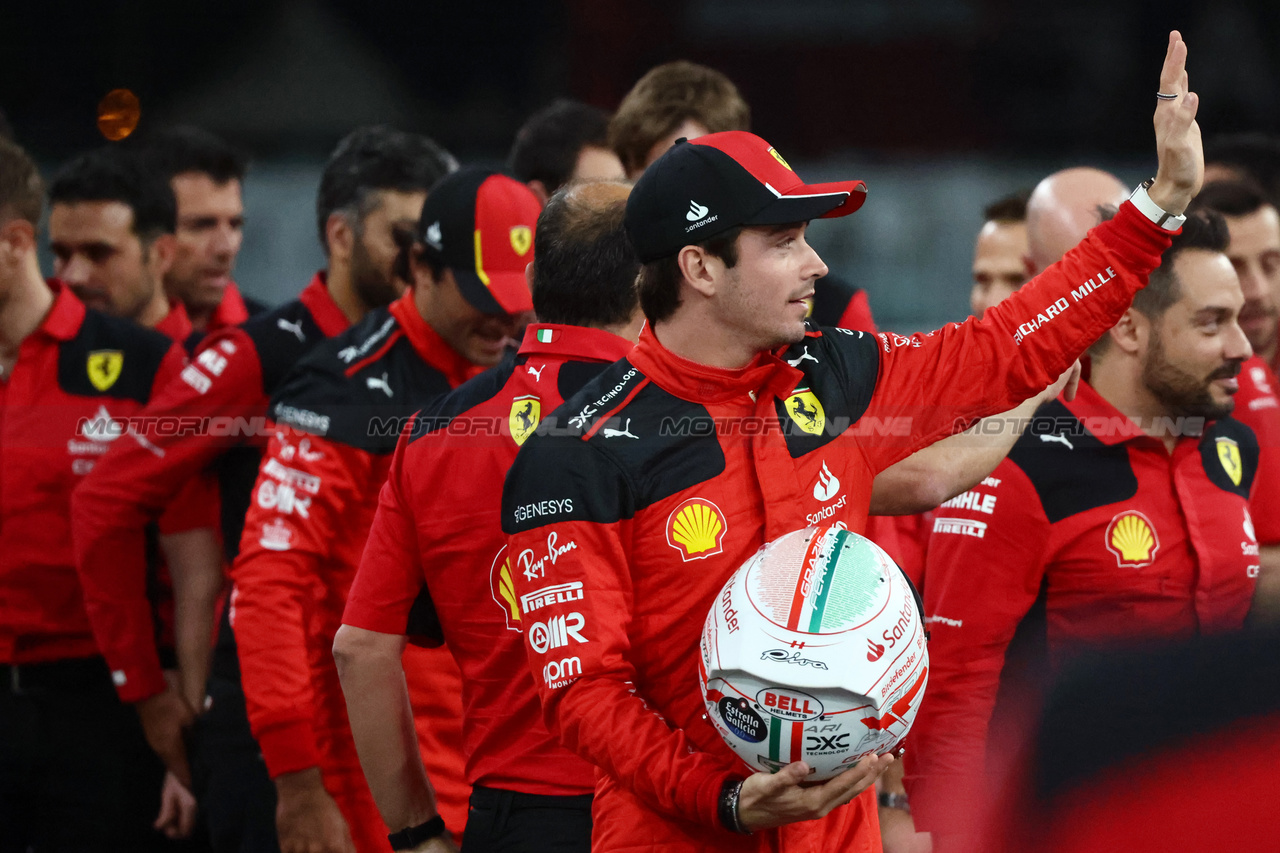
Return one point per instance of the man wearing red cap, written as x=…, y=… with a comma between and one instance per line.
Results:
x=651, y=497
x=339, y=415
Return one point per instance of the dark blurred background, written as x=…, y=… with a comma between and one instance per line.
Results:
x=941, y=105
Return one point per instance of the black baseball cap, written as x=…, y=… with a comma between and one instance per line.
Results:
x=480, y=224
x=703, y=187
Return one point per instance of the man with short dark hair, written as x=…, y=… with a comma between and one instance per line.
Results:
x=111, y=228
x=562, y=143
x=651, y=520
x=1000, y=262
x=76, y=772
x=373, y=186
x=1253, y=229
x=445, y=486
x=207, y=176
x=1121, y=515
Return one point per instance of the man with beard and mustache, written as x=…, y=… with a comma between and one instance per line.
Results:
x=372, y=187
x=1122, y=515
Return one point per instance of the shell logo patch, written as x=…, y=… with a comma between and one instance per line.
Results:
x=803, y=408
x=1132, y=538
x=696, y=529
x=103, y=367
x=778, y=157
x=503, y=589
x=1229, y=456
x=521, y=239
x=526, y=412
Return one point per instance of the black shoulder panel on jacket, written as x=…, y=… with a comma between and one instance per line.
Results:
x=110, y=357
x=281, y=337
x=1071, y=470
x=1230, y=453
x=474, y=392
x=574, y=376
x=831, y=296
x=649, y=449
x=369, y=408
x=423, y=625
x=840, y=368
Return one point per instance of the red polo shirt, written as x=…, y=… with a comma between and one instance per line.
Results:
x=1103, y=528
x=77, y=380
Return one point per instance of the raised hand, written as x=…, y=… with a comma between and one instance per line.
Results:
x=1178, y=144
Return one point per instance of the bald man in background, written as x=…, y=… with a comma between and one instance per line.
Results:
x=1061, y=210
x=1064, y=206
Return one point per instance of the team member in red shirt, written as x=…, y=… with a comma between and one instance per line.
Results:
x=436, y=566
x=206, y=175
x=1122, y=515
x=1253, y=230
x=341, y=411
x=372, y=186
x=651, y=473
x=75, y=769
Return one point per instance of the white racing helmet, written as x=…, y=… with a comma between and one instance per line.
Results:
x=814, y=651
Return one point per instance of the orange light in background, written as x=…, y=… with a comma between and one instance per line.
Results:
x=118, y=114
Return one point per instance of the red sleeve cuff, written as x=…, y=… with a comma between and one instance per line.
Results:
x=288, y=747
x=707, y=797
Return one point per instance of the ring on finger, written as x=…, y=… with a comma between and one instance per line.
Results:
x=1167, y=97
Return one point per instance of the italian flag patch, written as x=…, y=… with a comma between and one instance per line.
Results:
x=546, y=336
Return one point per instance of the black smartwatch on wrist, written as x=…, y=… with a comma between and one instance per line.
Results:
x=407, y=839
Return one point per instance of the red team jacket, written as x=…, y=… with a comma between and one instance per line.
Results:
x=213, y=412
x=665, y=476
x=1109, y=535
x=339, y=413
x=436, y=551
x=77, y=379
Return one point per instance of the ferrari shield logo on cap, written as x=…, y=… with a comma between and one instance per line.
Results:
x=503, y=589
x=1132, y=539
x=521, y=239
x=526, y=412
x=696, y=529
x=778, y=157
x=803, y=408
x=103, y=367
x=1229, y=456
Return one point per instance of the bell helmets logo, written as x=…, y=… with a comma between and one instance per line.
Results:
x=522, y=239
x=526, y=412
x=103, y=367
x=805, y=410
x=875, y=650
x=1229, y=456
x=827, y=486
x=1132, y=538
x=696, y=529
x=696, y=211
x=503, y=589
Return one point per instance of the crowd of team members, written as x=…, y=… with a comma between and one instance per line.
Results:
x=340, y=459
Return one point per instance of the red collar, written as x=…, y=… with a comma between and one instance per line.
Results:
x=231, y=311
x=700, y=383
x=574, y=342
x=66, y=316
x=328, y=316
x=429, y=345
x=176, y=325
x=1107, y=423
